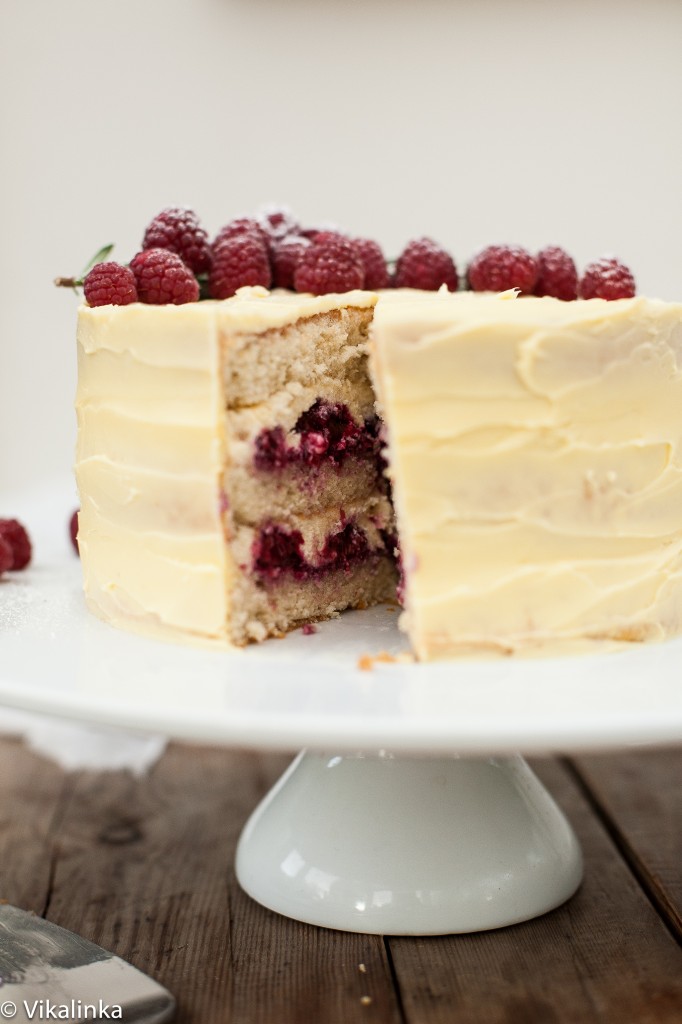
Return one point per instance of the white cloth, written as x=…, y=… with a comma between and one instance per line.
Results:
x=74, y=746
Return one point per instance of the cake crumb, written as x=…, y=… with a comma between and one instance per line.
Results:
x=362, y=969
x=366, y=662
x=366, y=1000
x=309, y=629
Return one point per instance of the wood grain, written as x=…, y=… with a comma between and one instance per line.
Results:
x=33, y=795
x=639, y=796
x=142, y=870
x=145, y=869
x=604, y=957
x=143, y=866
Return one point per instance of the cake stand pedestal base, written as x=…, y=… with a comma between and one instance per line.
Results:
x=402, y=845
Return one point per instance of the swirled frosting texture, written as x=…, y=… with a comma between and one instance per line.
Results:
x=535, y=455
x=152, y=449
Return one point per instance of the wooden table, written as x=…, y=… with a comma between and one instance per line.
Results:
x=144, y=867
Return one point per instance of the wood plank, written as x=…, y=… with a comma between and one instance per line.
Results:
x=145, y=869
x=143, y=866
x=605, y=957
x=289, y=973
x=639, y=795
x=33, y=794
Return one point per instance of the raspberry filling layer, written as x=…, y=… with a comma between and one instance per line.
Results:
x=327, y=433
x=276, y=552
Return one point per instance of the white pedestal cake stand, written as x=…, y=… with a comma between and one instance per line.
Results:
x=410, y=811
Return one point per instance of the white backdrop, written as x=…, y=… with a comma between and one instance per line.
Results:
x=497, y=120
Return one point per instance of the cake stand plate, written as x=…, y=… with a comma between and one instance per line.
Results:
x=410, y=812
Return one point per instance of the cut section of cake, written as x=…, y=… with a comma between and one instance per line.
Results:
x=535, y=456
x=229, y=465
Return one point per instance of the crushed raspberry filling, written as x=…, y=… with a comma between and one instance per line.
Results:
x=344, y=549
x=276, y=552
x=327, y=433
x=271, y=449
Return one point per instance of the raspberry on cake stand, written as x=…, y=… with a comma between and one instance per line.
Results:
x=411, y=811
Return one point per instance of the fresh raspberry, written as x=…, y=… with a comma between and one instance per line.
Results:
x=278, y=221
x=424, y=264
x=237, y=262
x=241, y=226
x=500, y=267
x=15, y=535
x=286, y=254
x=557, y=275
x=331, y=264
x=6, y=556
x=607, y=278
x=162, y=278
x=330, y=234
x=73, y=531
x=376, y=271
x=319, y=229
x=178, y=229
x=110, y=284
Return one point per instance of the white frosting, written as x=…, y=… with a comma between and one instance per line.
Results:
x=151, y=453
x=536, y=465
x=535, y=451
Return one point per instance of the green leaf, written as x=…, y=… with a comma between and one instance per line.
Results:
x=99, y=257
x=203, y=286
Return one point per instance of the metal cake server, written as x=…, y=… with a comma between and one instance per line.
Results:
x=49, y=973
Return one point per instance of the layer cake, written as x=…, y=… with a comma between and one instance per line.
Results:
x=234, y=485
x=228, y=465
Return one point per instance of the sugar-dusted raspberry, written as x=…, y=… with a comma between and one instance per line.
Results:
x=425, y=264
x=162, y=278
x=73, y=531
x=6, y=556
x=241, y=226
x=110, y=284
x=607, y=278
x=278, y=221
x=374, y=262
x=237, y=262
x=286, y=253
x=557, y=275
x=16, y=536
x=178, y=229
x=319, y=229
x=331, y=264
x=500, y=267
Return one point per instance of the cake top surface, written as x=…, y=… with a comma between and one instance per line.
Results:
x=435, y=309
x=251, y=309
x=257, y=309
x=181, y=334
